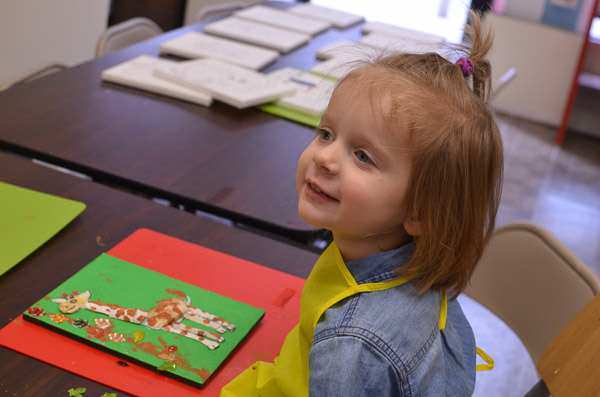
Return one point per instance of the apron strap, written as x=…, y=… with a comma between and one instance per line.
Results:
x=443, y=311
x=358, y=288
x=488, y=364
x=489, y=361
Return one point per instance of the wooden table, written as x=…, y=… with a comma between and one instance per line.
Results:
x=110, y=217
x=570, y=366
x=238, y=164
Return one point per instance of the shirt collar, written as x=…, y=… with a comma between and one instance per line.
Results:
x=380, y=266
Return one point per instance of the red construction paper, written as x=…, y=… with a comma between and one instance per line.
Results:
x=276, y=292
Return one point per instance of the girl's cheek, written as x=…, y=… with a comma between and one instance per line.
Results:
x=301, y=167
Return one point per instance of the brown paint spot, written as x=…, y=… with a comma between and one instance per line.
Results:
x=112, y=306
x=130, y=312
x=146, y=347
x=177, y=292
x=162, y=342
x=166, y=312
x=99, y=333
x=168, y=356
x=201, y=372
x=105, y=277
x=99, y=241
x=164, y=353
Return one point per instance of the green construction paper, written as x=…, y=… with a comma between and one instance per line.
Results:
x=28, y=219
x=111, y=280
x=291, y=114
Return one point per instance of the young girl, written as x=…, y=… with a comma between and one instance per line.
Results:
x=405, y=172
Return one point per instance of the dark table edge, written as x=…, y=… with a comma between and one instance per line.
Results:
x=300, y=238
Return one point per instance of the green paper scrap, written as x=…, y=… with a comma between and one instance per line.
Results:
x=77, y=392
x=28, y=219
x=291, y=114
x=113, y=281
x=111, y=394
x=167, y=366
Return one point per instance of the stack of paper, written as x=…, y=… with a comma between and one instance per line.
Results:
x=139, y=73
x=284, y=20
x=393, y=30
x=339, y=19
x=335, y=67
x=345, y=48
x=344, y=61
x=257, y=33
x=200, y=45
x=312, y=92
x=228, y=83
x=399, y=44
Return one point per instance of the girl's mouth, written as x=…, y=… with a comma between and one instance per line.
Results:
x=315, y=192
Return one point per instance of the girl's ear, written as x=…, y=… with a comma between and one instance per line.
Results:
x=412, y=227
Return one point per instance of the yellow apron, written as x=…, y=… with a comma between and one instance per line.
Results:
x=329, y=282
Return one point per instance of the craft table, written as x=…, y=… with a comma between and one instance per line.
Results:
x=110, y=217
x=239, y=164
x=570, y=365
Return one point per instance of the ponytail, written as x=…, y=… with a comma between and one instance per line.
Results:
x=480, y=44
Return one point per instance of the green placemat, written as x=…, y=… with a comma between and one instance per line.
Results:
x=108, y=283
x=291, y=114
x=28, y=219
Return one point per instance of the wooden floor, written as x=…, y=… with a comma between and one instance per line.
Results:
x=556, y=187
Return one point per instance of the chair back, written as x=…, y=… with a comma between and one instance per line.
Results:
x=38, y=74
x=125, y=34
x=531, y=281
x=207, y=12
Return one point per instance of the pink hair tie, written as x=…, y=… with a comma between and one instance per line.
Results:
x=466, y=65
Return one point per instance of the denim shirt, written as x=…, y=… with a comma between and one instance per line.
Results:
x=388, y=343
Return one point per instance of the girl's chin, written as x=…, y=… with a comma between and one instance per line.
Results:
x=312, y=217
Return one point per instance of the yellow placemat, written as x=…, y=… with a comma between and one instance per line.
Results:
x=28, y=219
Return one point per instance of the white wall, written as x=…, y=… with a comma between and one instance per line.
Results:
x=545, y=59
x=444, y=18
x=37, y=33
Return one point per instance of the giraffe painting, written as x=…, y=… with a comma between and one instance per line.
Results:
x=166, y=315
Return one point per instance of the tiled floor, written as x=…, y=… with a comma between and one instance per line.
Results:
x=555, y=187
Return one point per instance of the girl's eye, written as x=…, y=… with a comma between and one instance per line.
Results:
x=324, y=135
x=363, y=157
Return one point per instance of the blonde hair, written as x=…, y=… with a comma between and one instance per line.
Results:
x=455, y=185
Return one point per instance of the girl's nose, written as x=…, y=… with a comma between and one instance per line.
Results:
x=327, y=160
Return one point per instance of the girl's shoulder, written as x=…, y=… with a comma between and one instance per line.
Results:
x=398, y=317
x=400, y=328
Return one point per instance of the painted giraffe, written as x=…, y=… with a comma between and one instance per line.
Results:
x=167, y=315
